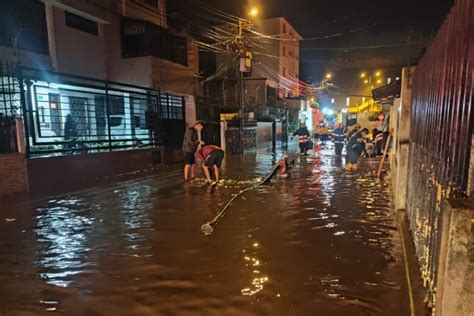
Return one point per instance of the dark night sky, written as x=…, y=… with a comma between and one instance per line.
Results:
x=361, y=22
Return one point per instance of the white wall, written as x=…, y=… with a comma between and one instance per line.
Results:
x=78, y=52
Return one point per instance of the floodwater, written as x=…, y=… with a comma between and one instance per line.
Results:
x=323, y=242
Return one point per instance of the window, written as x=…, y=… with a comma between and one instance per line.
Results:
x=284, y=72
x=284, y=50
x=24, y=20
x=284, y=28
x=82, y=24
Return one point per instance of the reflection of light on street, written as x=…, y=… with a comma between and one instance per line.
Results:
x=257, y=286
x=136, y=203
x=62, y=231
x=252, y=262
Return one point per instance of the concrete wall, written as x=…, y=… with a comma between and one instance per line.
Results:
x=139, y=9
x=135, y=71
x=61, y=174
x=13, y=178
x=177, y=78
x=401, y=123
x=78, y=52
x=26, y=58
x=455, y=290
x=363, y=120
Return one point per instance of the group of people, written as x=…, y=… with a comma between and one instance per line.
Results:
x=210, y=156
x=356, y=141
x=358, y=144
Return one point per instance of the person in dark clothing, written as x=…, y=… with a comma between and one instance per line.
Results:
x=354, y=130
x=338, y=137
x=191, y=143
x=304, y=138
x=377, y=137
x=355, y=149
x=211, y=158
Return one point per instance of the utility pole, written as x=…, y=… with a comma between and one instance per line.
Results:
x=244, y=65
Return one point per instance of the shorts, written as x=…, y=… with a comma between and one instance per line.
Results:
x=189, y=158
x=215, y=158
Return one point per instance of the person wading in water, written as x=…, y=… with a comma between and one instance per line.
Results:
x=211, y=158
x=303, y=137
x=355, y=149
x=191, y=143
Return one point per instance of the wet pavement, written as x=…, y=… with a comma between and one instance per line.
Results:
x=323, y=242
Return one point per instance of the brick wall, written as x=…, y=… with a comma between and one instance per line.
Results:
x=13, y=174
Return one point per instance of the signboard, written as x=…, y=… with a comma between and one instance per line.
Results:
x=228, y=116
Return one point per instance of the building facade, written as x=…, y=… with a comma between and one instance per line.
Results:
x=94, y=77
x=277, y=56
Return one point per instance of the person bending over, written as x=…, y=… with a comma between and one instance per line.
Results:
x=211, y=158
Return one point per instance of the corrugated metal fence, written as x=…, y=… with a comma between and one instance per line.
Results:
x=441, y=133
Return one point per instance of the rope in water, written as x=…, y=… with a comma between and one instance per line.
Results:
x=207, y=228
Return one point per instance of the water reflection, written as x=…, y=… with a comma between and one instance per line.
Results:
x=254, y=266
x=63, y=230
x=322, y=240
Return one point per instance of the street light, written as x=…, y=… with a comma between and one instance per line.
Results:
x=253, y=12
x=362, y=75
x=378, y=73
x=328, y=76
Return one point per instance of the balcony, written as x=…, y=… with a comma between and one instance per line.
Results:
x=142, y=38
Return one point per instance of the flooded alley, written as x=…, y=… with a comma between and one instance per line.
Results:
x=323, y=242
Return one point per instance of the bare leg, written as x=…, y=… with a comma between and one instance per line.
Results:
x=216, y=173
x=193, y=171
x=186, y=171
x=207, y=173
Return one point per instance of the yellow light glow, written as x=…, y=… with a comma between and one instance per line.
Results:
x=379, y=81
x=328, y=76
x=253, y=12
x=378, y=73
x=366, y=81
x=362, y=75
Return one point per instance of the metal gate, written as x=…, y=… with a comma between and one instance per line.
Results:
x=441, y=134
x=66, y=114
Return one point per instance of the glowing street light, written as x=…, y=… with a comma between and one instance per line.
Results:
x=379, y=81
x=253, y=12
x=362, y=75
x=378, y=73
x=328, y=76
x=366, y=81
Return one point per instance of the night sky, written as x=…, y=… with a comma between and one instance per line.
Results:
x=361, y=23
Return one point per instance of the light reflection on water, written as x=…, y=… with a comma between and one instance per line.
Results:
x=322, y=240
x=63, y=231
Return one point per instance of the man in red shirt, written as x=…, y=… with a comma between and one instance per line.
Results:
x=211, y=158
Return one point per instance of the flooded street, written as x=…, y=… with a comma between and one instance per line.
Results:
x=323, y=242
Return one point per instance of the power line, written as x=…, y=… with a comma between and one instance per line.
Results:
x=364, y=47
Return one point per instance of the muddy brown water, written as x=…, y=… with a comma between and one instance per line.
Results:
x=323, y=242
